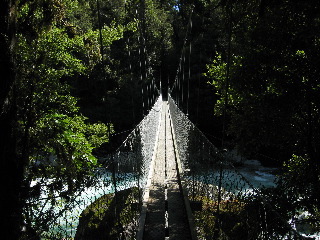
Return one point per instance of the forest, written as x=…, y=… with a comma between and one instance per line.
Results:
x=77, y=76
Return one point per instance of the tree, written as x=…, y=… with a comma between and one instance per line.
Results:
x=269, y=71
x=10, y=166
x=273, y=83
x=40, y=118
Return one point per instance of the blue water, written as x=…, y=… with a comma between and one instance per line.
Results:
x=250, y=176
x=256, y=175
x=67, y=223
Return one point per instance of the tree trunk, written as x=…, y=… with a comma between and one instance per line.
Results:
x=10, y=171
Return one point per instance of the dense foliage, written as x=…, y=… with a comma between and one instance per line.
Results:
x=77, y=71
x=267, y=78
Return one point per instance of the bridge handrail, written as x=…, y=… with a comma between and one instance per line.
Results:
x=228, y=164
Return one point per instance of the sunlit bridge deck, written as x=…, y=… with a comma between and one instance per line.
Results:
x=166, y=207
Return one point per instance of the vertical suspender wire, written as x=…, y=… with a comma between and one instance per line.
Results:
x=141, y=76
x=131, y=80
x=143, y=80
x=153, y=89
x=140, y=54
x=170, y=91
x=149, y=78
x=158, y=90
x=181, y=58
x=145, y=62
x=168, y=81
x=155, y=93
x=114, y=181
x=189, y=77
x=182, y=83
x=227, y=79
x=176, y=85
x=160, y=82
x=130, y=70
x=149, y=95
x=138, y=170
x=151, y=92
x=199, y=76
x=179, y=87
x=144, y=53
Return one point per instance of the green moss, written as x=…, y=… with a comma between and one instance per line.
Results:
x=229, y=224
x=237, y=220
x=109, y=216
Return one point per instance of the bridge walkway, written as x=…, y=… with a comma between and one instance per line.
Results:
x=166, y=215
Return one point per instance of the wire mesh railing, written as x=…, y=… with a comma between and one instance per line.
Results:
x=106, y=204
x=225, y=204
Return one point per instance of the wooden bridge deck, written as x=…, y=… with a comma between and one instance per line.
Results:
x=166, y=216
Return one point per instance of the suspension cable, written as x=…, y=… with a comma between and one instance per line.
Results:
x=183, y=46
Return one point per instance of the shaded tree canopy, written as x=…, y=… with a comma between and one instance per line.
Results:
x=74, y=72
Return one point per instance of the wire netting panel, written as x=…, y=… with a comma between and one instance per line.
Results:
x=224, y=203
x=105, y=204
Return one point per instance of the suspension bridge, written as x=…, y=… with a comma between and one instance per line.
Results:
x=165, y=181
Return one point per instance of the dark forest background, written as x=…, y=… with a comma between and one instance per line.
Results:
x=76, y=76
